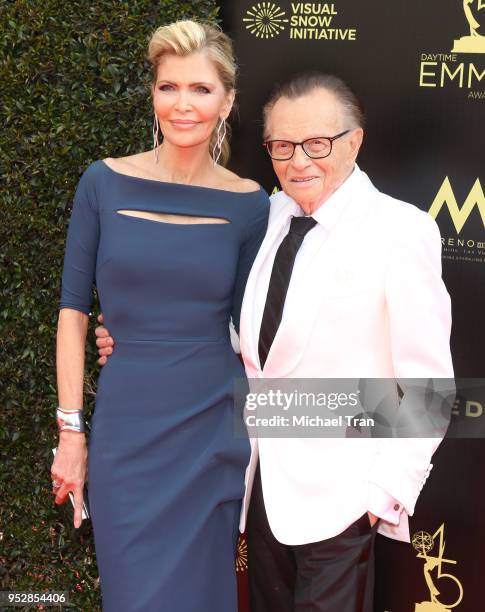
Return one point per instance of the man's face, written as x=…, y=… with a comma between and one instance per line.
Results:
x=310, y=182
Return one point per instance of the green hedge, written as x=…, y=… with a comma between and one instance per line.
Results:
x=74, y=89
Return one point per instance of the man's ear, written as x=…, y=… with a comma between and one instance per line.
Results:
x=356, y=138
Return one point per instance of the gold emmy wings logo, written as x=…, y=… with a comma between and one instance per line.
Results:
x=458, y=215
x=265, y=20
x=474, y=42
x=424, y=543
x=454, y=69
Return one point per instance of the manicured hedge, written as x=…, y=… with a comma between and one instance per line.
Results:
x=74, y=88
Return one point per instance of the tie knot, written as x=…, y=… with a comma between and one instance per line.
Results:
x=302, y=225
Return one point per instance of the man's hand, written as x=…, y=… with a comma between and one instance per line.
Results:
x=372, y=518
x=104, y=341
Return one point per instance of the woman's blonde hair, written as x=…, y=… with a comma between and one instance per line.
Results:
x=184, y=37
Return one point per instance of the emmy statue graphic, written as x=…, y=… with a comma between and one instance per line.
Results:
x=475, y=42
x=423, y=543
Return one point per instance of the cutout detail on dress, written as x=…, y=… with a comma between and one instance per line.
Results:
x=172, y=218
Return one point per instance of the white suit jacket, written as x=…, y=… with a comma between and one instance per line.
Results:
x=369, y=303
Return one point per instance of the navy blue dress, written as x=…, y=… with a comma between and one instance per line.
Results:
x=165, y=470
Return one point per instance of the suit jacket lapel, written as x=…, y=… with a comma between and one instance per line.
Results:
x=259, y=279
x=308, y=288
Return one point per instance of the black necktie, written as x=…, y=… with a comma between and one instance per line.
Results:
x=279, y=282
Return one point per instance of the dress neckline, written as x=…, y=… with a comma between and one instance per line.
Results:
x=147, y=180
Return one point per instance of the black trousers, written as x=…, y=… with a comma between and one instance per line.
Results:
x=334, y=575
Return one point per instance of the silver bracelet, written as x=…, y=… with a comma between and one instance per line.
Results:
x=70, y=420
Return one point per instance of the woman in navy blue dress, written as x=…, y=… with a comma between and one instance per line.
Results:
x=168, y=236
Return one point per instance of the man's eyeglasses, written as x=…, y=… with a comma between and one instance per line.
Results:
x=316, y=148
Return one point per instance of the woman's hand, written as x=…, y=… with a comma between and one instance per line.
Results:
x=69, y=470
x=104, y=341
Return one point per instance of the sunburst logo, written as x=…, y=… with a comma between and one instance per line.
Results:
x=265, y=20
x=242, y=555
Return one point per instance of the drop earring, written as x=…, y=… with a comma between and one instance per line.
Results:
x=220, y=135
x=155, y=131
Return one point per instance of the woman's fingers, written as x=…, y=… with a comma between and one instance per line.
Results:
x=78, y=505
x=100, y=318
x=102, y=361
x=69, y=469
x=61, y=493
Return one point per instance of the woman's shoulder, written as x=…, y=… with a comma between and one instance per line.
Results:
x=255, y=211
x=89, y=180
x=255, y=195
x=101, y=169
x=230, y=181
x=131, y=165
x=91, y=171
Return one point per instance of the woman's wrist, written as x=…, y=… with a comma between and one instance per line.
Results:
x=69, y=419
x=72, y=439
x=67, y=434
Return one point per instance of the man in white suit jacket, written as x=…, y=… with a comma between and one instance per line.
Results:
x=365, y=300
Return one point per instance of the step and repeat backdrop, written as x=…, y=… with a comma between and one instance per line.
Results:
x=419, y=68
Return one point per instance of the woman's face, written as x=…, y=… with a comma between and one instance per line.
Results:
x=189, y=99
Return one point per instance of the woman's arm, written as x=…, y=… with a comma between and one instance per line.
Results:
x=255, y=233
x=69, y=466
x=71, y=337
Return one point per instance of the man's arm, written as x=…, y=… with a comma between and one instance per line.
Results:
x=419, y=314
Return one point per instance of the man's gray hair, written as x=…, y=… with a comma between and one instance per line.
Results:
x=307, y=82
